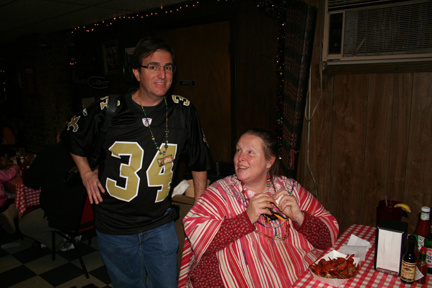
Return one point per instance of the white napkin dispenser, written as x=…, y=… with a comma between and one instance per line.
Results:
x=390, y=245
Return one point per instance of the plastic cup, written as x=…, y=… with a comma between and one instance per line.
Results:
x=386, y=210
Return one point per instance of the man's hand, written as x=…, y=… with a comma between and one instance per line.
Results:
x=200, y=183
x=89, y=179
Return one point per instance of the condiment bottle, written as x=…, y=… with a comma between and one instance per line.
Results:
x=409, y=262
x=428, y=244
x=22, y=166
x=422, y=266
x=417, y=248
x=423, y=225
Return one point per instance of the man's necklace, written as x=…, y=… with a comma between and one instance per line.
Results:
x=166, y=128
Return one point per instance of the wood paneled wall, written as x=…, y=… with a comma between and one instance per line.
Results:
x=369, y=138
x=255, y=73
x=201, y=48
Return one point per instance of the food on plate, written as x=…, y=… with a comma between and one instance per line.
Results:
x=336, y=268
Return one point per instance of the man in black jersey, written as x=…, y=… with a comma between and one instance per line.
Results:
x=132, y=188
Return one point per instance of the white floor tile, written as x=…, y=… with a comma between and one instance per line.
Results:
x=82, y=281
x=8, y=262
x=94, y=243
x=35, y=282
x=91, y=261
x=45, y=264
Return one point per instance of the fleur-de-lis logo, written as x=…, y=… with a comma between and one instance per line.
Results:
x=73, y=124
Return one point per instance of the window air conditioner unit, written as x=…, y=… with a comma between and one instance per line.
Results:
x=375, y=31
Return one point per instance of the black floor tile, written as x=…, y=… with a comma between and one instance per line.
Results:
x=71, y=255
x=101, y=273
x=7, y=238
x=15, y=275
x=90, y=286
x=30, y=254
x=3, y=253
x=61, y=274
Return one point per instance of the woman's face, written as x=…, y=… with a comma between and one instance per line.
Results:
x=250, y=163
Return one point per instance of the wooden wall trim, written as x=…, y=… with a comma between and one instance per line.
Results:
x=399, y=67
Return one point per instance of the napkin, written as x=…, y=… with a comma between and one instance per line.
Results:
x=357, y=241
x=356, y=246
x=180, y=188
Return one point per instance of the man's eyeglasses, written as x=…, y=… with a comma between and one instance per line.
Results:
x=153, y=68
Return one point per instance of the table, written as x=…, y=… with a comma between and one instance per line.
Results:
x=367, y=276
x=24, y=196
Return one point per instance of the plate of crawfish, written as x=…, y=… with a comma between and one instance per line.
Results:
x=335, y=268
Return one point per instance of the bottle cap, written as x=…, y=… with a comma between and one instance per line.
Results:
x=425, y=209
x=423, y=249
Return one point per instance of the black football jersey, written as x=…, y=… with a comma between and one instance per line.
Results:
x=136, y=176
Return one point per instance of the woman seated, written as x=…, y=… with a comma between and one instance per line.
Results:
x=255, y=228
x=7, y=206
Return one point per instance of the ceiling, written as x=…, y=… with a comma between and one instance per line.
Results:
x=24, y=17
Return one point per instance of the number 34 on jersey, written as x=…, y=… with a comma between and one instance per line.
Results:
x=159, y=173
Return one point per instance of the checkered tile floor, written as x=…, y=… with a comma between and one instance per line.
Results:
x=22, y=264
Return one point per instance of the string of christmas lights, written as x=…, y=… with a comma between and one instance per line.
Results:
x=277, y=10
x=93, y=27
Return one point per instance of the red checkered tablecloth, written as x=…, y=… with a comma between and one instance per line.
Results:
x=367, y=276
x=24, y=196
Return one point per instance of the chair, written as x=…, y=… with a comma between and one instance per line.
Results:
x=86, y=225
x=185, y=204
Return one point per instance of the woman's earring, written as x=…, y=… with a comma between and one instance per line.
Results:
x=268, y=178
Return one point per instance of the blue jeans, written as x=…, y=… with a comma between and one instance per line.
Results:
x=130, y=258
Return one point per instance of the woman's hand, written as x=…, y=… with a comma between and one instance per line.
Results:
x=259, y=204
x=289, y=206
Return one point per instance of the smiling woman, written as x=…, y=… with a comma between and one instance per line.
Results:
x=251, y=162
x=239, y=213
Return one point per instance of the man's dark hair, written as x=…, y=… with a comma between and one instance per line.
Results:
x=147, y=46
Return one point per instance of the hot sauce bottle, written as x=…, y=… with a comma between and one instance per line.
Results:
x=422, y=266
x=409, y=262
x=428, y=244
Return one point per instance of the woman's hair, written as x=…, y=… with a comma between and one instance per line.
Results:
x=270, y=147
x=147, y=46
